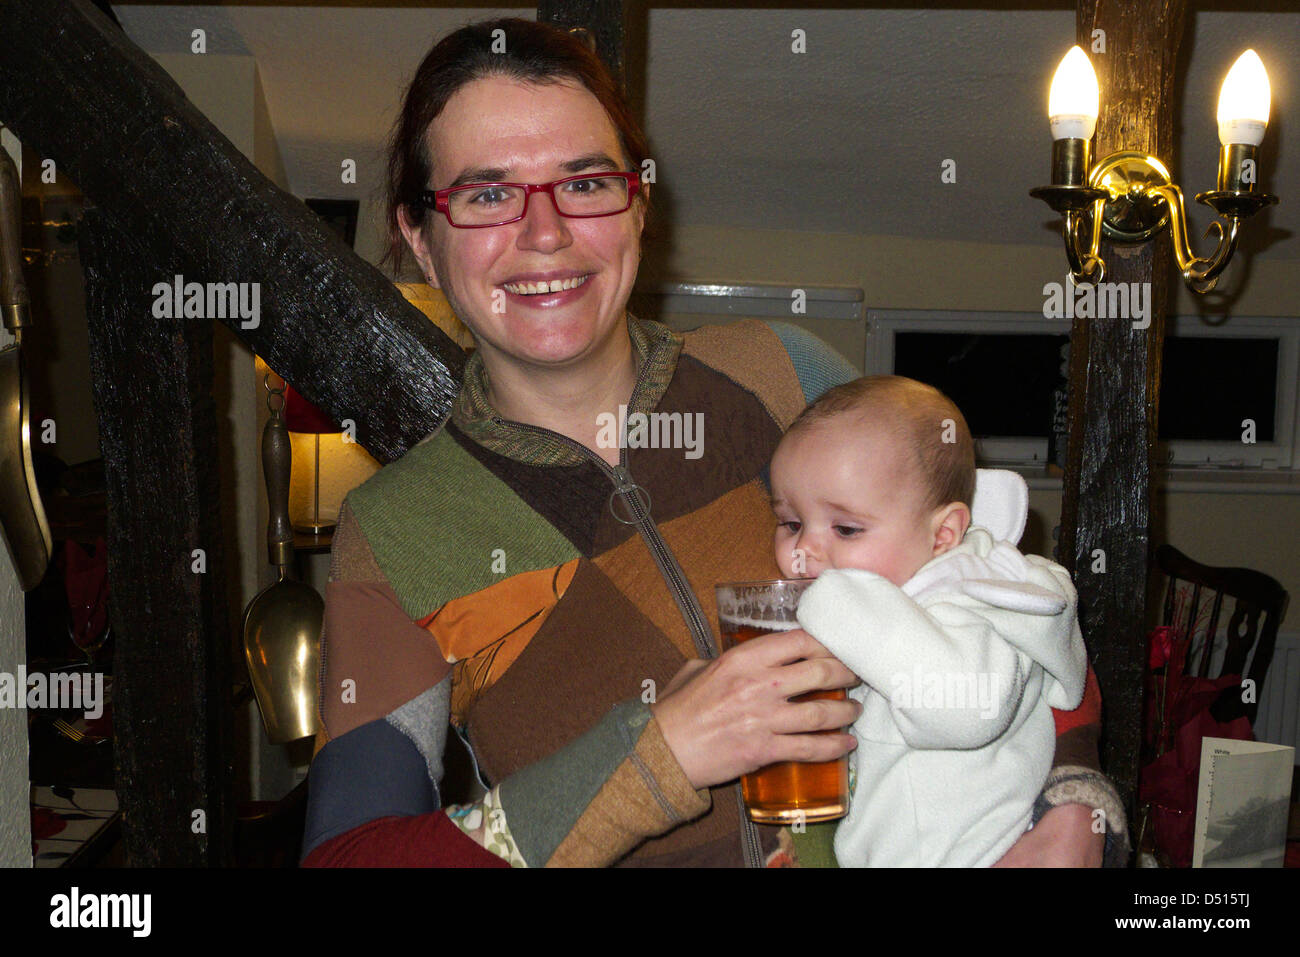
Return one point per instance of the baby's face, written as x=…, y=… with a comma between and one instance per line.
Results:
x=847, y=496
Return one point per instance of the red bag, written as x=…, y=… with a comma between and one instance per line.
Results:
x=1169, y=783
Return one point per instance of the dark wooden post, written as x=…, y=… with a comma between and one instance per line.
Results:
x=173, y=719
x=604, y=19
x=1115, y=383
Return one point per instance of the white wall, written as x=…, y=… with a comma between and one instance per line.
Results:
x=15, y=818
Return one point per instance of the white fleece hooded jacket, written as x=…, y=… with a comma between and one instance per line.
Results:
x=960, y=669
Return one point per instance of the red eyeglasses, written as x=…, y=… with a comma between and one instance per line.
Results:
x=585, y=196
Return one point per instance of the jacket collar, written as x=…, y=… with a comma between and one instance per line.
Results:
x=656, y=348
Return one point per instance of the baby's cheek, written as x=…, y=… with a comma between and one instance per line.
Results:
x=781, y=549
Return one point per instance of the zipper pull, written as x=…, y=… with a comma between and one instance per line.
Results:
x=625, y=489
x=622, y=478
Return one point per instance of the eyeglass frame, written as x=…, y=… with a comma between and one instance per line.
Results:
x=439, y=199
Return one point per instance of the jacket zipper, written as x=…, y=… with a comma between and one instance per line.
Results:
x=682, y=593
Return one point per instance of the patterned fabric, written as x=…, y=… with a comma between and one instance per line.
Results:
x=485, y=824
x=484, y=574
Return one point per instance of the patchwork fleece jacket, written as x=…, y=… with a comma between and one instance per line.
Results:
x=504, y=579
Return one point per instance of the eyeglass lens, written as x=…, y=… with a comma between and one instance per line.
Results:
x=491, y=205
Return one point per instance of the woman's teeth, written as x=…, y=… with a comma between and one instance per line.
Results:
x=537, y=288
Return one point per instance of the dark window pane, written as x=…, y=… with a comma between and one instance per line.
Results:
x=1208, y=386
x=1002, y=382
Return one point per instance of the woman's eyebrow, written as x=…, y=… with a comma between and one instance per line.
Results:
x=483, y=174
x=590, y=161
x=498, y=174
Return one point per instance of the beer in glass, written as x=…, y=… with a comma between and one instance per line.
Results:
x=789, y=791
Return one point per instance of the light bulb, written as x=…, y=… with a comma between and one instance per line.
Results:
x=1243, y=101
x=1074, y=102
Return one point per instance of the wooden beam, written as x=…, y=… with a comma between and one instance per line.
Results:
x=1115, y=383
x=173, y=716
x=602, y=18
x=75, y=89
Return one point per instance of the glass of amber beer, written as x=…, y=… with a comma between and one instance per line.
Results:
x=790, y=791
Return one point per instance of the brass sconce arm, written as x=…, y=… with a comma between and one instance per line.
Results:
x=1130, y=197
x=1199, y=273
x=1085, y=264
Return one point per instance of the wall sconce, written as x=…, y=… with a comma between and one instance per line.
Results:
x=305, y=422
x=1130, y=196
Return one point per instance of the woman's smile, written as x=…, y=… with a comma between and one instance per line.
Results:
x=547, y=293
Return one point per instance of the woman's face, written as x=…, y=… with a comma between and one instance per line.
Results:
x=496, y=129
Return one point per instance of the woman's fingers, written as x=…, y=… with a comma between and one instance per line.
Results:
x=797, y=660
x=801, y=717
x=784, y=647
x=810, y=747
x=731, y=716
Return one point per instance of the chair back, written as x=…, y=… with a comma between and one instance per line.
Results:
x=1259, y=604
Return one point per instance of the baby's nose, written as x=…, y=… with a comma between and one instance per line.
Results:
x=805, y=559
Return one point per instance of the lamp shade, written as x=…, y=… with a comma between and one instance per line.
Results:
x=301, y=416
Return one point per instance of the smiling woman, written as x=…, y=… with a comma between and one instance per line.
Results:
x=544, y=585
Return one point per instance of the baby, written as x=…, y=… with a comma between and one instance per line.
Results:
x=963, y=644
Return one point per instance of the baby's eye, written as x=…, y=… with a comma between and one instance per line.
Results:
x=846, y=531
x=791, y=527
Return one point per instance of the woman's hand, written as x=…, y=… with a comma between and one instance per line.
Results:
x=1063, y=837
x=728, y=717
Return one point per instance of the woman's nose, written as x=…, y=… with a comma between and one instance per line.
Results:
x=544, y=228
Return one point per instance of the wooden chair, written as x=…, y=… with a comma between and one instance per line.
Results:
x=1260, y=604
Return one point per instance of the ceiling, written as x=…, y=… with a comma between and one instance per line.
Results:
x=850, y=136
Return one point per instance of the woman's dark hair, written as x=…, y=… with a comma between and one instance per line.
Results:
x=533, y=53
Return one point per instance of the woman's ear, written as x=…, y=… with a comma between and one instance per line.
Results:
x=950, y=523
x=414, y=236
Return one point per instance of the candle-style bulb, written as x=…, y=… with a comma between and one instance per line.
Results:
x=1075, y=100
x=1244, y=101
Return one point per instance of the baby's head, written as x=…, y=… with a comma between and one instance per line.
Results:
x=877, y=474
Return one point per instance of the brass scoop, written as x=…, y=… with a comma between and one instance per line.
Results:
x=26, y=532
x=282, y=625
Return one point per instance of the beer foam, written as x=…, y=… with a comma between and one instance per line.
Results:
x=755, y=623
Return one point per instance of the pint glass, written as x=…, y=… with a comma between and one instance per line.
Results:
x=790, y=791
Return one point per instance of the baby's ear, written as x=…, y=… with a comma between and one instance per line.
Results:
x=950, y=523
